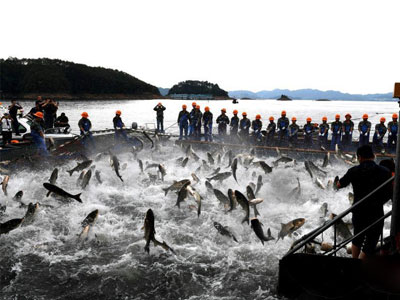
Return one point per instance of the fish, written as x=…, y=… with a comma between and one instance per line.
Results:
x=221, y=197
x=86, y=179
x=4, y=184
x=319, y=183
x=18, y=196
x=316, y=168
x=210, y=158
x=324, y=209
x=234, y=168
x=266, y=168
x=184, y=162
x=80, y=178
x=115, y=165
x=308, y=168
x=195, y=178
x=54, y=176
x=59, y=191
x=259, y=184
x=289, y=228
x=10, y=225
x=257, y=228
x=244, y=203
x=209, y=185
x=140, y=165
x=296, y=191
x=176, y=186
x=220, y=176
x=162, y=171
x=335, y=182
x=197, y=197
x=224, y=231
x=216, y=171
x=351, y=198
x=251, y=196
x=326, y=160
x=87, y=223
x=232, y=200
x=341, y=228
x=149, y=233
x=80, y=166
x=30, y=213
x=219, y=158
x=282, y=159
x=182, y=194
x=230, y=158
x=98, y=177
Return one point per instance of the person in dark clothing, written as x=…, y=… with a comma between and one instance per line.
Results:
x=38, y=134
x=49, y=108
x=183, y=121
x=222, y=122
x=119, y=127
x=85, y=125
x=348, y=127
x=323, y=133
x=364, y=127
x=160, y=117
x=256, y=125
x=364, y=178
x=207, y=123
x=380, y=131
x=336, y=128
x=271, y=128
x=388, y=164
x=293, y=131
x=198, y=115
x=392, y=129
x=37, y=108
x=308, y=133
x=244, y=126
x=191, y=119
x=234, y=124
x=6, y=128
x=283, y=124
x=13, y=111
x=62, y=121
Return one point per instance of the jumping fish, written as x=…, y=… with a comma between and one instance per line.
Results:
x=224, y=231
x=244, y=203
x=80, y=166
x=59, y=191
x=257, y=228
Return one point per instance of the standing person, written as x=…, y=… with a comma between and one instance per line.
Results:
x=191, y=119
x=234, y=124
x=6, y=128
x=159, y=108
x=256, y=125
x=283, y=124
x=293, y=131
x=323, y=133
x=85, y=125
x=49, y=108
x=392, y=129
x=13, y=111
x=119, y=127
x=271, y=128
x=308, y=133
x=364, y=127
x=336, y=128
x=183, y=122
x=37, y=133
x=365, y=178
x=222, y=122
x=244, y=126
x=62, y=121
x=207, y=123
x=35, y=109
x=380, y=131
x=348, y=127
x=198, y=115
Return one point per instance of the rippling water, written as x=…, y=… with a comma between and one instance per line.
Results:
x=46, y=260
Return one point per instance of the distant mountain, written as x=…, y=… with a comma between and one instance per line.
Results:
x=308, y=94
x=163, y=91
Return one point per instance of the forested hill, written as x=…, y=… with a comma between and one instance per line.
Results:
x=28, y=78
x=198, y=87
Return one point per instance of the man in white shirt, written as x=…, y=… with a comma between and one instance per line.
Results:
x=6, y=128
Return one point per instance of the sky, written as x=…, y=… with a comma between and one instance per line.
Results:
x=351, y=46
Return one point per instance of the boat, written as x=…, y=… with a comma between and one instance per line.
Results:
x=322, y=99
x=284, y=98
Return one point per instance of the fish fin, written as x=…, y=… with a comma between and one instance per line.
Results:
x=48, y=194
x=234, y=238
x=209, y=178
x=166, y=190
x=70, y=172
x=77, y=197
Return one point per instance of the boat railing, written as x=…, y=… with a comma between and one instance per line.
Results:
x=309, y=238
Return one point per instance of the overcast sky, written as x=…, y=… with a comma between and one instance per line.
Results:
x=351, y=46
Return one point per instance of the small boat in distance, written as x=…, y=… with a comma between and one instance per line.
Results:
x=284, y=98
x=322, y=99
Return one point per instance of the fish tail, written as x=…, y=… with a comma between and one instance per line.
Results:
x=48, y=194
x=70, y=172
x=166, y=190
x=77, y=197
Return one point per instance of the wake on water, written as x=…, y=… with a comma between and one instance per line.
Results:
x=47, y=260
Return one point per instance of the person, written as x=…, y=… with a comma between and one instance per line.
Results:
x=244, y=126
x=392, y=129
x=49, y=108
x=192, y=121
x=6, y=128
x=222, y=122
x=365, y=178
x=380, y=132
x=183, y=122
x=336, y=128
x=13, y=111
x=323, y=133
x=207, y=123
x=62, y=121
x=198, y=115
x=389, y=164
x=256, y=125
x=37, y=133
x=293, y=130
x=85, y=125
x=283, y=124
x=348, y=127
x=271, y=128
x=35, y=109
x=234, y=124
x=119, y=127
x=364, y=127
x=159, y=108
x=308, y=133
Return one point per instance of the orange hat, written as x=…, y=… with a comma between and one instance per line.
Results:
x=244, y=113
x=206, y=108
x=14, y=142
x=258, y=117
x=394, y=116
x=294, y=119
x=271, y=118
x=235, y=112
x=309, y=119
x=365, y=116
x=194, y=104
x=85, y=114
x=283, y=113
x=337, y=116
x=118, y=112
x=324, y=118
x=184, y=106
x=347, y=115
x=39, y=114
x=198, y=106
x=224, y=110
x=383, y=119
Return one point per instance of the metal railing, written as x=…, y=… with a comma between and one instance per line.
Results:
x=313, y=234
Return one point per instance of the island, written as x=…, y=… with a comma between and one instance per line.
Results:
x=284, y=98
x=197, y=90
